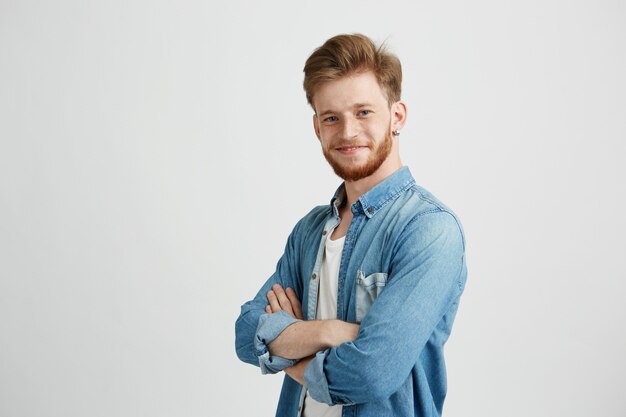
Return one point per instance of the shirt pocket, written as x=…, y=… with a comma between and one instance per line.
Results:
x=367, y=290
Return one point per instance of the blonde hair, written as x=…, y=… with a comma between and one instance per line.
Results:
x=344, y=55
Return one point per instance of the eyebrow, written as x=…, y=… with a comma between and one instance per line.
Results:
x=355, y=106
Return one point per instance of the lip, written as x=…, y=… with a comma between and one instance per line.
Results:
x=349, y=150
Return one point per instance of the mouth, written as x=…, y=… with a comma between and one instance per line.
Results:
x=350, y=149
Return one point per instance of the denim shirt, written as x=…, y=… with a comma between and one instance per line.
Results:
x=401, y=275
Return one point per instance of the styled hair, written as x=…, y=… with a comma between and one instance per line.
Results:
x=344, y=55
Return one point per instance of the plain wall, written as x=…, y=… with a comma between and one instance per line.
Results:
x=155, y=155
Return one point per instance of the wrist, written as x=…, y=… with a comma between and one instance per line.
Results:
x=336, y=332
x=331, y=333
x=325, y=333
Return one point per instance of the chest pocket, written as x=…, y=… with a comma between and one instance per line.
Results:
x=367, y=290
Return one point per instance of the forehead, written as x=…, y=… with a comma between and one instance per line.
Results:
x=345, y=92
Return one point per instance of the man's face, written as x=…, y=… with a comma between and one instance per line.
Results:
x=353, y=124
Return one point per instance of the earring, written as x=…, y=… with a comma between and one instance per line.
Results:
x=396, y=132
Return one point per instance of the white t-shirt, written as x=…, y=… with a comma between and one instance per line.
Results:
x=326, y=310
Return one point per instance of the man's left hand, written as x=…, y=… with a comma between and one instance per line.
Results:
x=285, y=300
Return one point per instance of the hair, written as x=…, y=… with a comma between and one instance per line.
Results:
x=344, y=55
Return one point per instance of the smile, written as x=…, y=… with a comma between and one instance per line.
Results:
x=351, y=149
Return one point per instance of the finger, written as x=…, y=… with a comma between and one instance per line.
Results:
x=271, y=297
x=285, y=304
x=268, y=309
x=295, y=303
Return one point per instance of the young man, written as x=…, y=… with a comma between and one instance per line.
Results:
x=363, y=299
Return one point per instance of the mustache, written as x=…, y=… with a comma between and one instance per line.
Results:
x=356, y=143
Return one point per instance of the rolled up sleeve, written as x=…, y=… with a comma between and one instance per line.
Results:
x=315, y=380
x=271, y=325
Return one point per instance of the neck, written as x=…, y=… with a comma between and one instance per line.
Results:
x=355, y=189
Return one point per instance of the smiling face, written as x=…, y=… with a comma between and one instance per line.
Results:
x=353, y=123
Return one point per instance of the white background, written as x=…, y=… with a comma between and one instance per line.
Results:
x=155, y=155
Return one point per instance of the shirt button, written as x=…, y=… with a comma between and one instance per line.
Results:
x=324, y=233
x=369, y=209
x=299, y=408
x=313, y=276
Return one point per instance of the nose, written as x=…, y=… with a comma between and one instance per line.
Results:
x=349, y=128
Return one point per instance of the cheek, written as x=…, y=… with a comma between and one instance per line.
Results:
x=377, y=131
x=327, y=133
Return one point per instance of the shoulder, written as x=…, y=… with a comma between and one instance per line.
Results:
x=318, y=214
x=428, y=217
x=315, y=218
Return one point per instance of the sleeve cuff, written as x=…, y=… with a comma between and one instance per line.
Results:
x=268, y=329
x=315, y=379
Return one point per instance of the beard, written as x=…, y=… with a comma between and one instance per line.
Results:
x=352, y=172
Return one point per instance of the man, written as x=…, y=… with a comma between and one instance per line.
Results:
x=364, y=296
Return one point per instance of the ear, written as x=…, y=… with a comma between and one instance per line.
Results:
x=316, y=126
x=398, y=115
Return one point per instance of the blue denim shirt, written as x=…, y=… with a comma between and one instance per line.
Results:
x=401, y=276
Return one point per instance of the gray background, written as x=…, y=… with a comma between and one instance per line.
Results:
x=155, y=155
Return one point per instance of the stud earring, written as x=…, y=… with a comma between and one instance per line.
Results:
x=396, y=132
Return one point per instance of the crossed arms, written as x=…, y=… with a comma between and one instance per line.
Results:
x=351, y=363
x=303, y=339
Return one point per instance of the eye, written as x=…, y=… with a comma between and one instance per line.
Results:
x=330, y=119
x=364, y=112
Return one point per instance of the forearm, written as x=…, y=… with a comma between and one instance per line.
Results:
x=305, y=338
x=296, y=372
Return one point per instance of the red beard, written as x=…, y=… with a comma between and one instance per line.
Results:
x=378, y=155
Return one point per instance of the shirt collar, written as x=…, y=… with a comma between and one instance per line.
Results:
x=378, y=196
